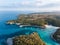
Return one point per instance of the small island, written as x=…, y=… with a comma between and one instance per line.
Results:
x=32, y=39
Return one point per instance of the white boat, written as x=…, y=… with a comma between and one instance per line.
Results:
x=21, y=26
x=17, y=23
x=24, y=25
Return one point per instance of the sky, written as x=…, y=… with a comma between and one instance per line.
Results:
x=30, y=5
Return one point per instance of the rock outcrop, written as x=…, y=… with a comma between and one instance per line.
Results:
x=11, y=22
x=56, y=35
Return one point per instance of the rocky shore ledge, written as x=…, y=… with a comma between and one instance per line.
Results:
x=11, y=22
x=32, y=39
x=56, y=36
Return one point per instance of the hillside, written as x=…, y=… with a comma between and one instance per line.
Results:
x=32, y=39
x=37, y=19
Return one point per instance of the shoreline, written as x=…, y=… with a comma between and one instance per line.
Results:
x=22, y=25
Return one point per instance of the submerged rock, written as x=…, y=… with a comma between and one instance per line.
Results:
x=9, y=41
x=56, y=35
x=32, y=39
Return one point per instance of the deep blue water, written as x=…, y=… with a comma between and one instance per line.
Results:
x=8, y=31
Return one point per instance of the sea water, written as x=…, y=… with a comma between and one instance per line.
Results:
x=9, y=31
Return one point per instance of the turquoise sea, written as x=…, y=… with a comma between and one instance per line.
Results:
x=9, y=31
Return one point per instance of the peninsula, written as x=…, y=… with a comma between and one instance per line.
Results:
x=32, y=39
x=36, y=19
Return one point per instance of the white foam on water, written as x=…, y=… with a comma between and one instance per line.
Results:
x=50, y=26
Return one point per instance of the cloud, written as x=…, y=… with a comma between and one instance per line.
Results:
x=30, y=5
x=25, y=3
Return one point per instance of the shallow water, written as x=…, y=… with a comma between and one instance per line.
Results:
x=8, y=31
